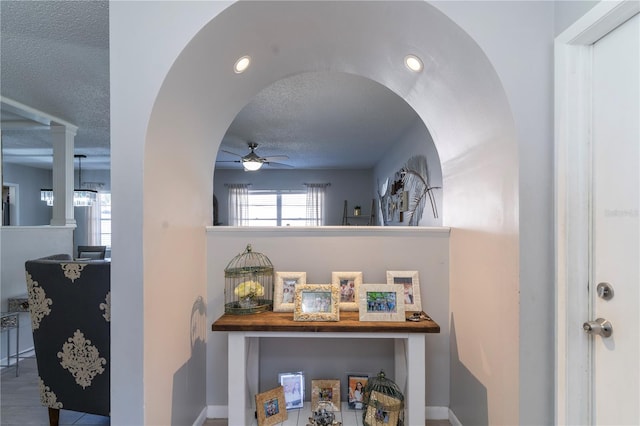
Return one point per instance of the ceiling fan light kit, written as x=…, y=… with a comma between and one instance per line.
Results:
x=253, y=162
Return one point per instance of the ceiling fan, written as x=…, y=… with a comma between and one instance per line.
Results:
x=252, y=161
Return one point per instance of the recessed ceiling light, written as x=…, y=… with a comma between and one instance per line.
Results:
x=242, y=64
x=413, y=63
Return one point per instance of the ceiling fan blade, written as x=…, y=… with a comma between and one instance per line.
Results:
x=227, y=161
x=276, y=165
x=276, y=158
x=232, y=153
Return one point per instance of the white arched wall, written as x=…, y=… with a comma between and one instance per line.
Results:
x=459, y=97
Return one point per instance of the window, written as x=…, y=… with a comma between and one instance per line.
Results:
x=105, y=218
x=277, y=208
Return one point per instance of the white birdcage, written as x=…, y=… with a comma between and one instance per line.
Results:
x=248, y=283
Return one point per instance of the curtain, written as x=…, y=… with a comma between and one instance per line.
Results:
x=238, y=204
x=315, y=203
x=93, y=224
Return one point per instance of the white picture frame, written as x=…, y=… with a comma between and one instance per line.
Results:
x=285, y=291
x=293, y=384
x=381, y=302
x=348, y=284
x=409, y=280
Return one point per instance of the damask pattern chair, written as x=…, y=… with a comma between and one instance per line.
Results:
x=70, y=306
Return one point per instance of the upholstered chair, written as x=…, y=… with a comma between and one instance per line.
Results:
x=70, y=306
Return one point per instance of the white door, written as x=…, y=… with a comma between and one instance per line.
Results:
x=615, y=252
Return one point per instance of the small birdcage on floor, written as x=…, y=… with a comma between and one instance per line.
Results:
x=383, y=402
x=248, y=283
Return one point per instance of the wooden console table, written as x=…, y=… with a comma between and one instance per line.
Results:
x=243, y=352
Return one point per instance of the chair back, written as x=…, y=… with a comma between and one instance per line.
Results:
x=70, y=306
x=92, y=252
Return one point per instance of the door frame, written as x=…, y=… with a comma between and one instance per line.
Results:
x=573, y=79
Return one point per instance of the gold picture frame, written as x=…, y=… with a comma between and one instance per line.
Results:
x=381, y=302
x=325, y=394
x=409, y=280
x=383, y=410
x=285, y=289
x=348, y=284
x=271, y=407
x=316, y=302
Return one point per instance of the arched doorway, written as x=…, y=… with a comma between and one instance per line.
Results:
x=466, y=111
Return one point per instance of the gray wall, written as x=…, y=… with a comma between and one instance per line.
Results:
x=351, y=185
x=30, y=180
x=567, y=12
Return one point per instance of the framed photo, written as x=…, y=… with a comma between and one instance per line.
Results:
x=293, y=384
x=356, y=384
x=285, y=288
x=381, y=302
x=409, y=280
x=270, y=407
x=316, y=302
x=325, y=394
x=348, y=282
x=383, y=409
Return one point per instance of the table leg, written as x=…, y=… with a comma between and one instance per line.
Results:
x=17, y=343
x=237, y=380
x=415, y=396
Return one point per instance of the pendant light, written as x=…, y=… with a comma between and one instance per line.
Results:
x=81, y=197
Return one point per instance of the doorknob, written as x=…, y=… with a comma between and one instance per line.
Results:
x=600, y=326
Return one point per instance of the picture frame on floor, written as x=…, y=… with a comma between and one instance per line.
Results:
x=325, y=394
x=271, y=407
x=293, y=384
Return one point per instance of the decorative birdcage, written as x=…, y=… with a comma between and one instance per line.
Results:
x=248, y=283
x=383, y=402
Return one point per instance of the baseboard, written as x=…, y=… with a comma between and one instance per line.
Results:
x=217, y=412
x=453, y=419
x=202, y=417
x=437, y=413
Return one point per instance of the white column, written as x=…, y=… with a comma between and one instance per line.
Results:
x=62, y=139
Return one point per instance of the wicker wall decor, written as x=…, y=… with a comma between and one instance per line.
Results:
x=248, y=283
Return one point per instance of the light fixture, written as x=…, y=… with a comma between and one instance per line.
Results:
x=242, y=64
x=252, y=161
x=413, y=63
x=81, y=197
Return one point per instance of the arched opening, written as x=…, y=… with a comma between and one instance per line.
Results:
x=462, y=103
x=347, y=131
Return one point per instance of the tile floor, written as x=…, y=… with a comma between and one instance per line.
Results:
x=20, y=405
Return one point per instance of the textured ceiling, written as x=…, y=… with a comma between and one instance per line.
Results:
x=54, y=57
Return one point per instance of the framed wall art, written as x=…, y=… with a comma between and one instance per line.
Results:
x=293, y=384
x=356, y=384
x=284, y=291
x=270, y=407
x=348, y=283
x=316, y=302
x=409, y=280
x=325, y=394
x=381, y=302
